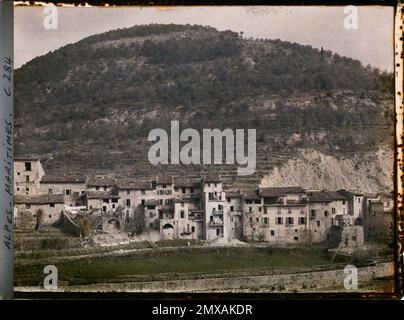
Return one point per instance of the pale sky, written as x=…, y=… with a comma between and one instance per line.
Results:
x=371, y=43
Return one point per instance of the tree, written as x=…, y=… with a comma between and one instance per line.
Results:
x=138, y=224
x=39, y=219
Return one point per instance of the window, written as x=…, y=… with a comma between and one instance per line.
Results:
x=50, y=191
x=128, y=202
x=105, y=188
x=289, y=221
x=250, y=219
x=27, y=206
x=97, y=188
x=67, y=192
x=220, y=207
x=326, y=213
x=249, y=209
x=52, y=205
x=113, y=206
x=192, y=190
x=50, y=216
x=333, y=211
x=104, y=208
x=28, y=166
x=296, y=238
x=231, y=208
x=279, y=220
x=211, y=218
x=313, y=213
x=183, y=190
x=128, y=191
x=160, y=201
x=302, y=220
x=266, y=221
x=168, y=201
x=259, y=209
x=318, y=223
x=26, y=178
x=182, y=213
x=289, y=210
x=343, y=202
x=302, y=211
x=193, y=229
x=272, y=232
x=151, y=214
x=257, y=219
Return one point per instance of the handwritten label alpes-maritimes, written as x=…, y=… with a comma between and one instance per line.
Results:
x=7, y=72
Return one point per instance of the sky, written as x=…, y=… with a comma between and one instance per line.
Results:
x=371, y=43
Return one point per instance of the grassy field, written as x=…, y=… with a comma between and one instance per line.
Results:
x=180, y=262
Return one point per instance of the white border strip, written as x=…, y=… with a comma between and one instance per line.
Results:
x=6, y=148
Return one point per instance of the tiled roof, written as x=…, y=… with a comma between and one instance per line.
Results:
x=150, y=203
x=100, y=195
x=39, y=199
x=279, y=191
x=101, y=182
x=251, y=195
x=350, y=193
x=184, y=183
x=65, y=178
x=133, y=184
x=164, y=179
x=212, y=177
x=27, y=158
x=233, y=194
x=324, y=196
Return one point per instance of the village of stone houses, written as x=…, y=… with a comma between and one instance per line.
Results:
x=197, y=209
x=113, y=213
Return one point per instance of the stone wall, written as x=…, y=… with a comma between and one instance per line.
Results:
x=305, y=281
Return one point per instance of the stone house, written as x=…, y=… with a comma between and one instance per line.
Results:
x=30, y=211
x=71, y=186
x=28, y=172
x=133, y=193
x=214, y=207
x=105, y=201
x=100, y=183
x=284, y=214
x=235, y=214
x=325, y=209
x=378, y=222
x=184, y=224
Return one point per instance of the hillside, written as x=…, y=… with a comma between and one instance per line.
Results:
x=89, y=106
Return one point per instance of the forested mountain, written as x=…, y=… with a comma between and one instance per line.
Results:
x=90, y=105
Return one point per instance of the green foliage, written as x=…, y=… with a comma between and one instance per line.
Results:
x=75, y=94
